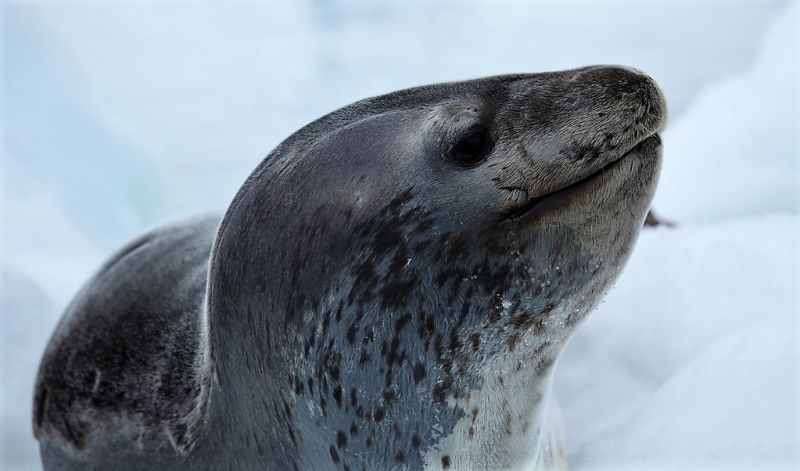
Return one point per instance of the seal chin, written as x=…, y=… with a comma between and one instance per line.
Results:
x=645, y=149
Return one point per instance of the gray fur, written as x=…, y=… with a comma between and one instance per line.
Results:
x=366, y=302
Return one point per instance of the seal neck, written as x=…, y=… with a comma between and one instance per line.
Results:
x=332, y=350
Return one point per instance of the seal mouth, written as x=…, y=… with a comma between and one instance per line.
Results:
x=551, y=199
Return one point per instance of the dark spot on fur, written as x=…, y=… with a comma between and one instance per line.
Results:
x=341, y=439
x=446, y=461
x=379, y=414
x=334, y=454
x=475, y=341
x=543, y=365
x=364, y=358
x=463, y=365
x=520, y=320
x=326, y=319
x=419, y=372
x=538, y=326
x=441, y=388
x=352, y=331
x=337, y=395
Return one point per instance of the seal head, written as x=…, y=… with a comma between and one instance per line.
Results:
x=420, y=259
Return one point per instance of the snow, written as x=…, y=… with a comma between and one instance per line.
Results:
x=738, y=142
x=698, y=342
x=697, y=346
x=117, y=117
x=22, y=344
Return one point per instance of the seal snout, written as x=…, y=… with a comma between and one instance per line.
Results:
x=634, y=91
x=619, y=107
x=575, y=127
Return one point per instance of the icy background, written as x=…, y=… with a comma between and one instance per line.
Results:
x=117, y=117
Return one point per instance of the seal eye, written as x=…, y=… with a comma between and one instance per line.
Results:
x=471, y=148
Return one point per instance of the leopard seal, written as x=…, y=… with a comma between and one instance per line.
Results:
x=389, y=289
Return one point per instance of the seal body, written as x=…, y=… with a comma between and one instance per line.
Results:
x=389, y=289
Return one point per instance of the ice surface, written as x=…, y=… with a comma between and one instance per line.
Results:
x=735, y=152
x=23, y=342
x=691, y=362
x=117, y=117
x=697, y=346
